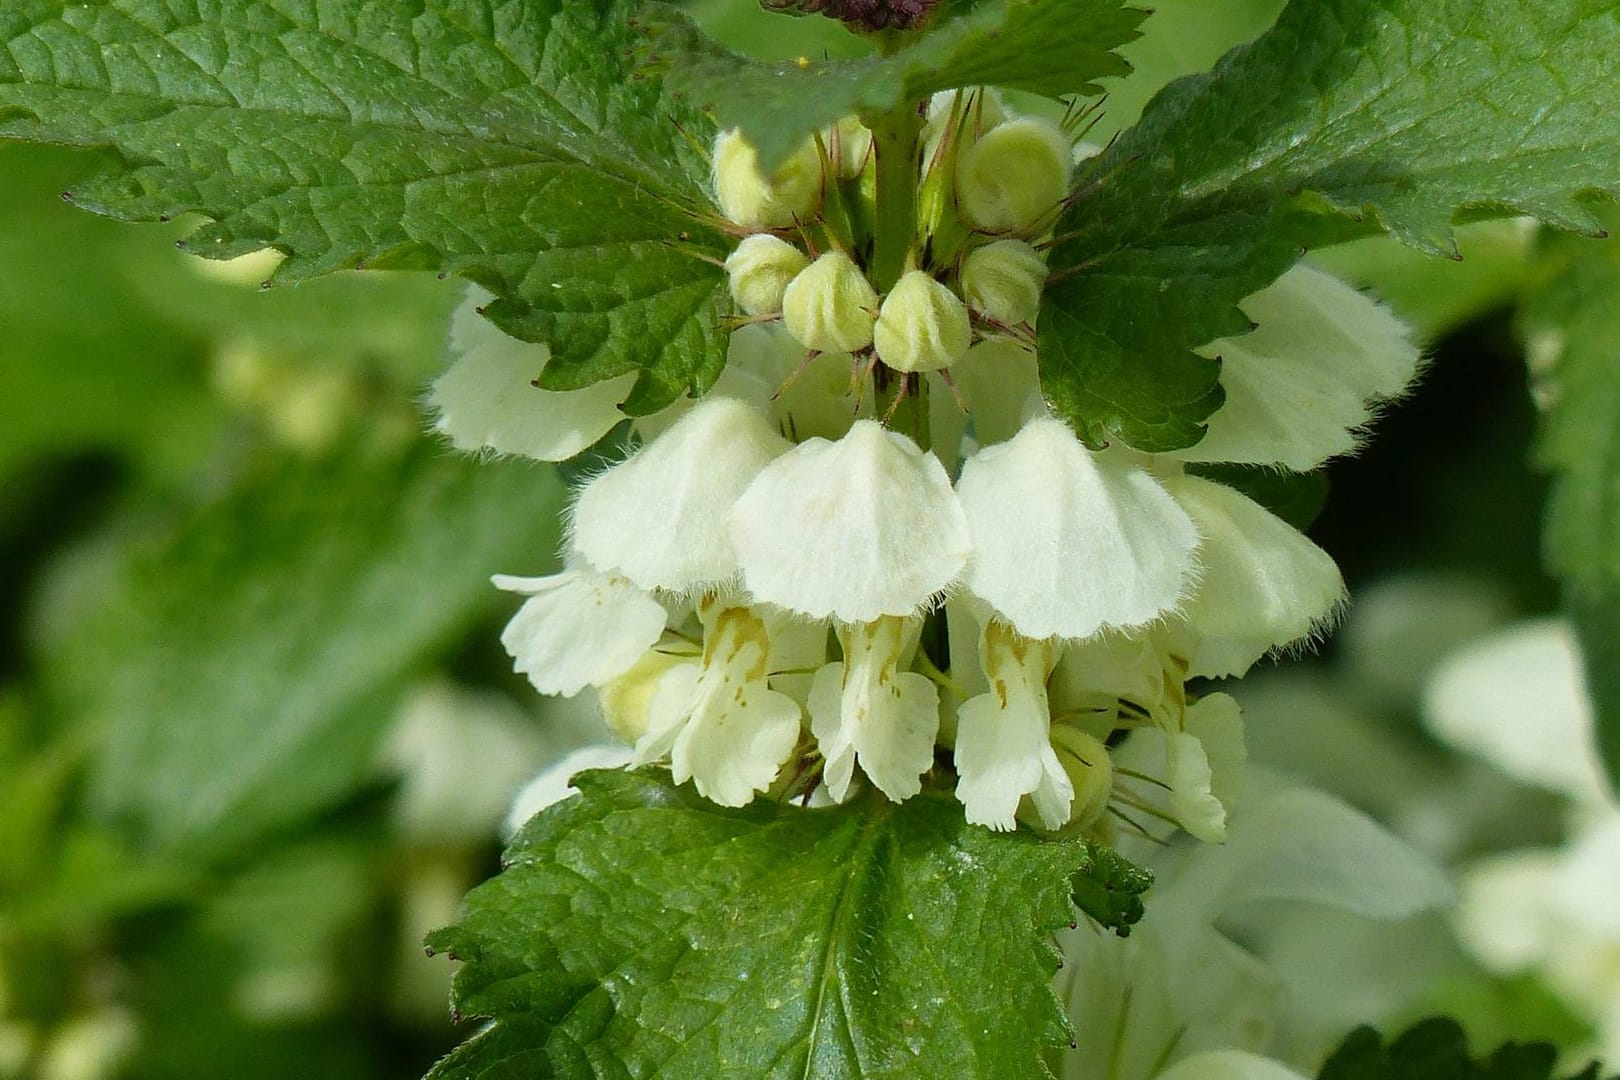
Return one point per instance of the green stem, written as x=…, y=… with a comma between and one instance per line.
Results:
x=894, y=226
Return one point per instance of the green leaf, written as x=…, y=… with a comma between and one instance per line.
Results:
x=506, y=143
x=1437, y=1049
x=1109, y=888
x=243, y=670
x=1297, y=498
x=1576, y=314
x=85, y=363
x=1048, y=47
x=1347, y=118
x=642, y=930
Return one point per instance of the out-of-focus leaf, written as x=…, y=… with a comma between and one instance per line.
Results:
x=241, y=672
x=1573, y=322
x=1437, y=1049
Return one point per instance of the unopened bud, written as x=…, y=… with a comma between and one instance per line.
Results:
x=626, y=701
x=1091, y=771
x=760, y=270
x=1014, y=176
x=830, y=306
x=853, y=141
x=1002, y=281
x=751, y=200
x=922, y=325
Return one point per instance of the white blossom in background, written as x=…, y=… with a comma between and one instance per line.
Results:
x=1517, y=699
x=1177, y=997
x=871, y=555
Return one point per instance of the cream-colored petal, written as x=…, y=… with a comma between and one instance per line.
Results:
x=658, y=518
x=1067, y=542
x=999, y=381
x=578, y=628
x=1517, y=698
x=1264, y=585
x=487, y=400
x=1003, y=749
x=1302, y=385
x=868, y=710
x=855, y=529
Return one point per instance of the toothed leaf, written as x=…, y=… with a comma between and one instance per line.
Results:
x=509, y=143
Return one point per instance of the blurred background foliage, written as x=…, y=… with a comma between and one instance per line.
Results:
x=256, y=731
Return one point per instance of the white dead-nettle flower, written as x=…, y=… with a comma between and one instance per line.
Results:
x=1517, y=699
x=872, y=711
x=1012, y=178
x=830, y=306
x=922, y=326
x=853, y=530
x=487, y=399
x=1003, y=280
x=1303, y=384
x=759, y=271
x=1067, y=542
x=1264, y=585
x=1203, y=764
x=717, y=717
x=1003, y=737
x=578, y=628
x=792, y=193
x=658, y=517
x=1178, y=1000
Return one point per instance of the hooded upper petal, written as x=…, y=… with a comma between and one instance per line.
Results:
x=487, y=400
x=1302, y=384
x=1067, y=542
x=658, y=518
x=578, y=628
x=854, y=530
x=1264, y=585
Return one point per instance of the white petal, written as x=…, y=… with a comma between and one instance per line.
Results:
x=1190, y=778
x=553, y=783
x=1299, y=387
x=1264, y=584
x=719, y=721
x=1503, y=917
x=866, y=709
x=1517, y=698
x=658, y=518
x=734, y=748
x=578, y=628
x=855, y=529
x=1229, y=1065
x=1067, y=542
x=1003, y=748
x=999, y=380
x=486, y=400
x=765, y=366
x=1305, y=845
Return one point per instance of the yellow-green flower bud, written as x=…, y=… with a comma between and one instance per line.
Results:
x=760, y=270
x=626, y=700
x=1002, y=281
x=1085, y=758
x=751, y=200
x=854, y=143
x=922, y=326
x=1014, y=176
x=830, y=306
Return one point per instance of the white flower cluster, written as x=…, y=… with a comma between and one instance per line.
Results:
x=780, y=591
